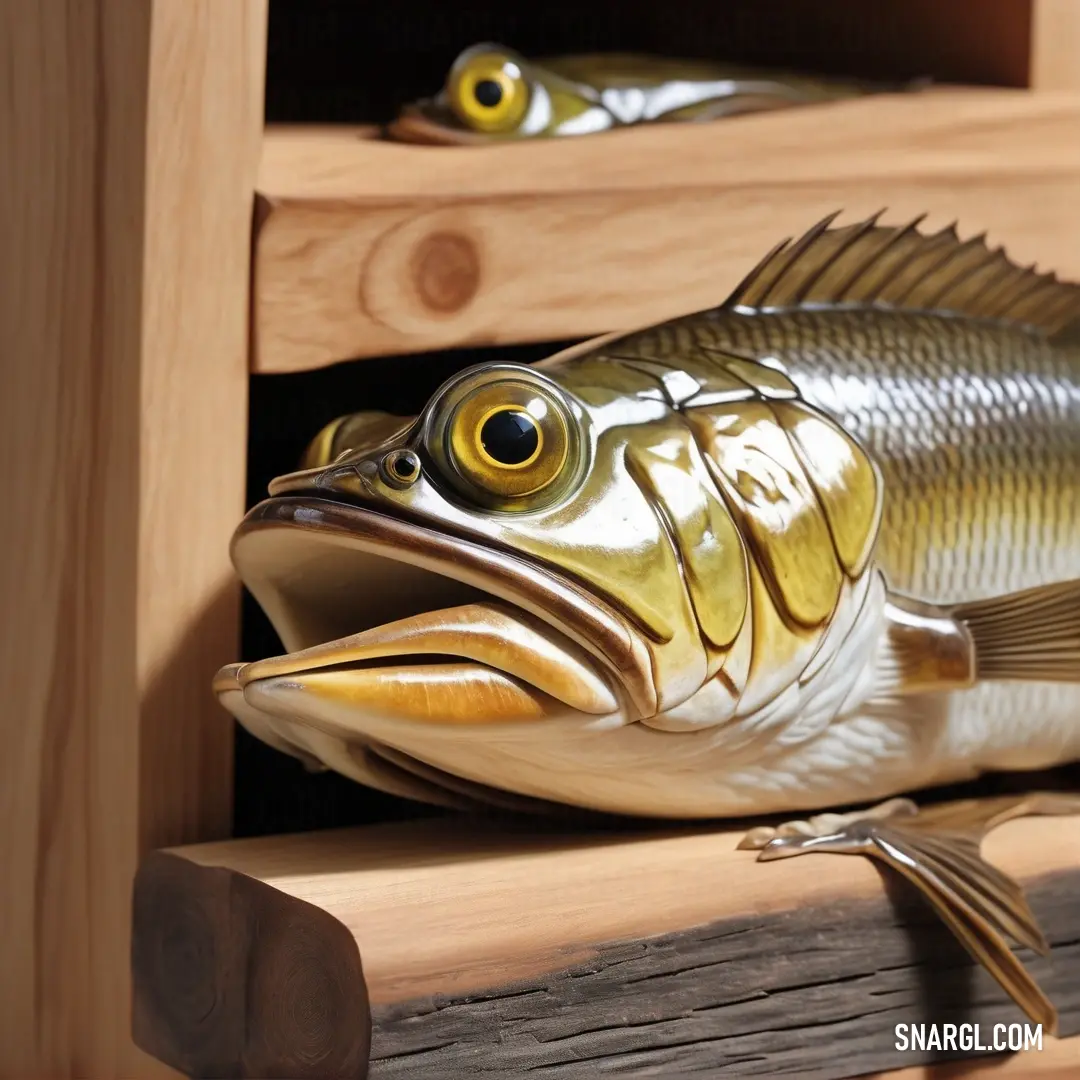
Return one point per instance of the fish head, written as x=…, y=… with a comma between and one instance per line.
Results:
x=546, y=554
x=488, y=563
x=493, y=94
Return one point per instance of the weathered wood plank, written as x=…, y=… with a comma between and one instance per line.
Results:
x=368, y=248
x=777, y=996
x=813, y=993
x=502, y=951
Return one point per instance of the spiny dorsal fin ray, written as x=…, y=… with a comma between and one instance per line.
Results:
x=902, y=268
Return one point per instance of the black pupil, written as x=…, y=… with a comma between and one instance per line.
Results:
x=404, y=467
x=488, y=93
x=510, y=437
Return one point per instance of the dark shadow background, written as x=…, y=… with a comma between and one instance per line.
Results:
x=347, y=61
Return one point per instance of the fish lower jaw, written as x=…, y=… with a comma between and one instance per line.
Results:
x=559, y=756
x=615, y=766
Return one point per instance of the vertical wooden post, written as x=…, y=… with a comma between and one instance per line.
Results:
x=1055, y=45
x=129, y=143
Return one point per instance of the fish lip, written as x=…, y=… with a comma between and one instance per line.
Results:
x=316, y=526
x=429, y=122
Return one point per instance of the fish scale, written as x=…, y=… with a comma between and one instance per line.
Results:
x=979, y=447
x=1023, y=452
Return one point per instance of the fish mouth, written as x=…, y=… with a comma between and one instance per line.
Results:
x=431, y=121
x=396, y=631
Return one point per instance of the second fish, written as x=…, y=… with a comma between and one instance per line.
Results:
x=493, y=94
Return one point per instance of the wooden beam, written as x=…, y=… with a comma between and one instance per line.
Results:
x=490, y=950
x=1055, y=45
x=129, y=139
x=369, y=248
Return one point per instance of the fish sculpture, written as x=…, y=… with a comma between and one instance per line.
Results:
x=815, y=548
x=493, y=94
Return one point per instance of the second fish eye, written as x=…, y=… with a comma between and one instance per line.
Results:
x=487, y=91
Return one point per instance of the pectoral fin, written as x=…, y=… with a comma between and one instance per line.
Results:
x=1028, y=635
x=937, y=850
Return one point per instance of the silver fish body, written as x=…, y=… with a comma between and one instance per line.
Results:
x=975, y=427
x=744, y=510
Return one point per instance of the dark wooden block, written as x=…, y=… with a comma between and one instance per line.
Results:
x=232, y=978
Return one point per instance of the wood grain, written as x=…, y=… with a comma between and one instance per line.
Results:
x=806, y=991
x=129, y=136
x=1055, y=45
x=235, y=979
x=369, y=248
x=503, y=948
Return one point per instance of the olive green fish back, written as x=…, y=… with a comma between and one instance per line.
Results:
x=621, y=70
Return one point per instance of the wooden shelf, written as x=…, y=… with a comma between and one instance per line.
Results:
x=368, y=248
x=491, y=948
x=129, y=144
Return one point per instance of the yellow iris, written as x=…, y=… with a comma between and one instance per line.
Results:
x=488, y=91
x=505, y=443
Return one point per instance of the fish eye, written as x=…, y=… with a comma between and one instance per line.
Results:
x=507, y=440
x=508, y=443
x=487, y=91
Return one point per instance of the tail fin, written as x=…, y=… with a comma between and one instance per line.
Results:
x=1032, y=635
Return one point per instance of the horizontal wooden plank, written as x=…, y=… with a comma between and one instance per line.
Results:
x=368, y=248
x=759, y=995
x=492, y=950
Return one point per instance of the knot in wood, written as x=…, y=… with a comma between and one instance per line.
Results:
x=445, y=271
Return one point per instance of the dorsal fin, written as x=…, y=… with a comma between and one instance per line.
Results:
x=867, y=264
